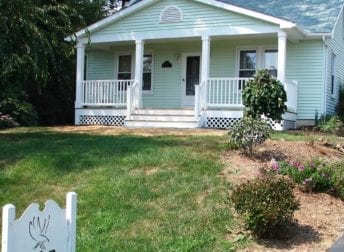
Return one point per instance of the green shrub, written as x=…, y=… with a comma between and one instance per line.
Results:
x=340, y=104
x=264, y=95
x=249, y=132
x=22, y=112
x=328, y=124
x=314, y=176
x=337, y=178
x=267, y=204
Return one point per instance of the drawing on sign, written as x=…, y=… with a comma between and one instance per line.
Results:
x=38, y=231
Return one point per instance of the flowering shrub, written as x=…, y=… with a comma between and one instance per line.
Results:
x=267, y=204
x=7, y=121
x=249, y=132
x=312, y=176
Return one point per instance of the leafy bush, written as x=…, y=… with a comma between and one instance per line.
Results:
x=7, y=121
x=337, y=178
x=264, y=95
x=328, y=124
x=267, y=204
x=249, y=132
x=21, y=111
x=314, y=176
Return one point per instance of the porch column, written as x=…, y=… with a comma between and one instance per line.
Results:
x=205, y=58
x=282, y=52
x=80, y=64
x=205, y=68
x=139, y=71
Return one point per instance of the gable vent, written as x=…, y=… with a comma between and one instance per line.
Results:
x=171, y=14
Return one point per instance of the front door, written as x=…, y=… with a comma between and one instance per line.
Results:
x=190, y=78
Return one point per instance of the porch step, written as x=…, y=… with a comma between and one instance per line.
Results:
x=164, y=112
x=162, y=118
x=161, y=124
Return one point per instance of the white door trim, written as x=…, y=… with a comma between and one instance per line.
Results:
x=188, y=101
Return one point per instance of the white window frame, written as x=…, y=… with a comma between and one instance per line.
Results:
x=260, y=59
x=149, y=92
x=263, y=56
x=117, y=64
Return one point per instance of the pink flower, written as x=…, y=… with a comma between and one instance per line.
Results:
x=274, y=165
x=301, y=167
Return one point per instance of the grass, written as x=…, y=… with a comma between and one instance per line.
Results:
x=134, y=193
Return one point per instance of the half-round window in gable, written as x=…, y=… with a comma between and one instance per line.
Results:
x=171, y=14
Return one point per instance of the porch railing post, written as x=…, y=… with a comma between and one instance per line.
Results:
x=197, y=101
x=129, y=101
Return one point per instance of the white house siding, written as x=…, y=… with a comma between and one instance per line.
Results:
x=167, y=81
x=335, y=45
x=305, y=64
x=99, y=65
x=223, y=58
x=196, y=16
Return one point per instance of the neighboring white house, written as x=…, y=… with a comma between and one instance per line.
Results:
x=184, y=63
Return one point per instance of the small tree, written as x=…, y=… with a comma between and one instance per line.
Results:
x=264, y=95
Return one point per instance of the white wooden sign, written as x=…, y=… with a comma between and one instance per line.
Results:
x=50, y=230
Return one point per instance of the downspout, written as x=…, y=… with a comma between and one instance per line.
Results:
x=324, y=100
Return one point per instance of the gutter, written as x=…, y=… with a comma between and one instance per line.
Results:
x=324, y=101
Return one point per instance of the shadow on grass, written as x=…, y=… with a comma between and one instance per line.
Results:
x=296, y=234
x=72, y=152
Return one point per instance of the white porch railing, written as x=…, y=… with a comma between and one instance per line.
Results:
x=291, y=90
x=225, y=92
x=105, y=92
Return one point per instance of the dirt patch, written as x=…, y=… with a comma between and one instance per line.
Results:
x=320, y=219
x=113, y=130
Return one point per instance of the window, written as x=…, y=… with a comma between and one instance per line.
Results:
x=248, y=63
x=124, y=67
x=333, y=72
x=147, y=72
x=261, y=57
x=270, y=61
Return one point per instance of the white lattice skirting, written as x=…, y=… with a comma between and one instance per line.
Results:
x=102, y=120
x=227, y=123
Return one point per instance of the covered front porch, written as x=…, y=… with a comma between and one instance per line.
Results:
x=190, y=79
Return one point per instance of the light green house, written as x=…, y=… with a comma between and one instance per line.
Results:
x=184, y=63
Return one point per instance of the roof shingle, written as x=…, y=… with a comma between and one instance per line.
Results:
x=315, y=16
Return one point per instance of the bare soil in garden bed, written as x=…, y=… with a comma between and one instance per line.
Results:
x=115, y=130
x=320, y=218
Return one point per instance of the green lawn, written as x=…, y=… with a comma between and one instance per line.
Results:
x=134, y=193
